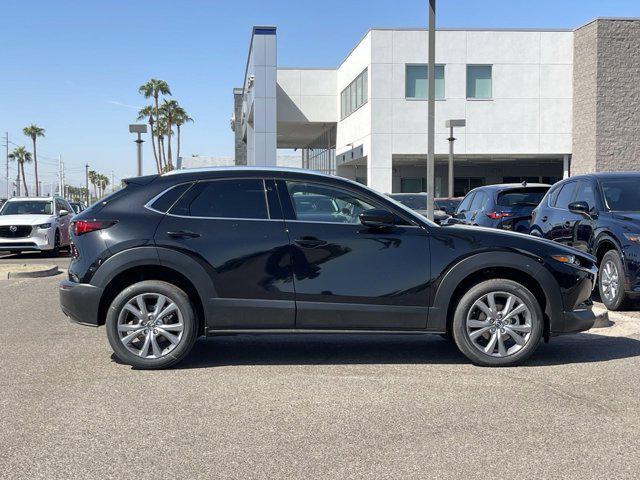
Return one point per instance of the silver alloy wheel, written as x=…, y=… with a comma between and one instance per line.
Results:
x=499, y=324
x=150, y=325
x=609, y=281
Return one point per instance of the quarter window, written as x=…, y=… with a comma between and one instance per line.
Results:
x=479, y=81
x=417, y=80
x=233, y=198
x=313, y=202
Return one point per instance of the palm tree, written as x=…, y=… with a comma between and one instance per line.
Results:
x=147, y=113
x=33, y=131
x=181, y=117
x=103, y=181
x=153, y=89
x=93, y=179
x=22, y=156
x=169, y=111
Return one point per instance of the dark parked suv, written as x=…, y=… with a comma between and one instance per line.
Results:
x=599, y=214
x=506, y=206
x=243, y=250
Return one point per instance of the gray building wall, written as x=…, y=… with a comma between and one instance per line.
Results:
x=606, y=96
x=240, y=146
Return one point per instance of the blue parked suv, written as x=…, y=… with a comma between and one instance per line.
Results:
x=599, y=214
x=507, y=206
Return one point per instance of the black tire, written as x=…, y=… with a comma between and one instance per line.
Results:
x=55, y=251
x=620, y=300
x=174, y=294
x=461, y=335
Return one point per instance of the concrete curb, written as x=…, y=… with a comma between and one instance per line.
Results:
x=47, y=272
x=602, y=318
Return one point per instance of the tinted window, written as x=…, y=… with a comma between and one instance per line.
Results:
x=415, y=202
x=621, y=194
x=479, y=201
x=314, y=202
x=566, y=194
x=521, y=197
x=466, y=203
x=586, y=193
x=167, y=199
x=238, y=198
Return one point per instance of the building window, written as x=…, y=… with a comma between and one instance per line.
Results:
x=412, y=185
x=416, y=81
x=354, y=95
x=479, y=82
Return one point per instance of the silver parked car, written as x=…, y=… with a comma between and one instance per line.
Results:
x=35, y=224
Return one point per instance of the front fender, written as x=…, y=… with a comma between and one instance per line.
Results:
x=526, y=264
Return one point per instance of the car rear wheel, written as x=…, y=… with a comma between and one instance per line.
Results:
x=151, y=325
x=498, y=323
x=611, y=281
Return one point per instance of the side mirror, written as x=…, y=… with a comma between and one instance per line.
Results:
x=63, y=213
x=580, y=208
x=377, y=218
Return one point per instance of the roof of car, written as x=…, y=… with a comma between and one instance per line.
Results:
x=509, y=186
x=605, y=175
x=25, y=199
x=245, y=169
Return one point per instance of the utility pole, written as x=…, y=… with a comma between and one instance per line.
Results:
x=86, y=181
x=6, y=144
x=431, y=105
x=59, y=175
x=113, y=186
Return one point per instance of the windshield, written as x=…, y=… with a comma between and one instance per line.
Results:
x=416, y=202
x=522, y=197
x=621, y=194
x=30, y=207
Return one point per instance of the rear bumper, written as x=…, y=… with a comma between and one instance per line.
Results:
x=80, y=302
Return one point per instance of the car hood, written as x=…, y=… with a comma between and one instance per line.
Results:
x=626, y=217
x=25, y=219
x=535, y=244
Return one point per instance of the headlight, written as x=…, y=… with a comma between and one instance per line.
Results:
x=44, y=225
x=570, y=259
x=632, y=237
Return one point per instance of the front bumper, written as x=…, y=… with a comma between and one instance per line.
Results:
x=578, y=320
x=38, y=240
x=80, y=302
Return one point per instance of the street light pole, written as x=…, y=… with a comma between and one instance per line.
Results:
x=450, y=124
x=86, y=182
x=139, y=129
x=431, y=93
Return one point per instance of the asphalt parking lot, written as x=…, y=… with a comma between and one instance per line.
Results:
x=312, y=407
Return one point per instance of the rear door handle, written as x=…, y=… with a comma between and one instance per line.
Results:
x=183, y=234
x=544, y=219
x=310, y=242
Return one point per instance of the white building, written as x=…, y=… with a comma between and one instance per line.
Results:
x=367, y=118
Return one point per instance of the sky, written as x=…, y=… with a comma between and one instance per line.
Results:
x=74, y=67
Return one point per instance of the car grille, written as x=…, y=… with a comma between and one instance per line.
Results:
x=15, y=231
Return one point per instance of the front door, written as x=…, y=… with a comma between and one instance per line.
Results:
x=561, y=220
x=234, y=229
x=346, y=275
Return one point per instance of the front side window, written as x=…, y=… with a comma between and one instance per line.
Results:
x=479, y=81
x=314, y=202
x=621, y=194
x=466, y=203
x=565, y=195
x=233, y=198
x=586, y=193
x=479, y=201
x=33, y=207
x=417, y=81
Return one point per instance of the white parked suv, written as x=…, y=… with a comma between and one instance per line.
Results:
x=35, y=224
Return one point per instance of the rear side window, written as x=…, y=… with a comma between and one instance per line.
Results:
x=165, y=201
x=566, y=194
x=233, y=198
x=521, y=197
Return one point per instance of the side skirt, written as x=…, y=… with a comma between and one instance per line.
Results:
x=290, y=331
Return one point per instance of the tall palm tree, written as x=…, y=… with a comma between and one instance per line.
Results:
x=153, y=89
x=181, y=118
x=33, y=131
x=147, y=113
x=103, y=181
x=22, y=156
x=169, y=110
x=93, y=179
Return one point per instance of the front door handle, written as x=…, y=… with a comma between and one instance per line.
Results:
x=310, y=242
x=544, y=219
x=183, y=234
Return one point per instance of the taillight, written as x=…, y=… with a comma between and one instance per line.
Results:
x=80, y=227
x=498, y=215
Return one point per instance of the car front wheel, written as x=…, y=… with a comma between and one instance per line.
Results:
x=151, y=325
x=498, y=323
x=610, y=281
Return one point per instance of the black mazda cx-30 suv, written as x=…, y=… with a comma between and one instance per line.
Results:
x=246, y=250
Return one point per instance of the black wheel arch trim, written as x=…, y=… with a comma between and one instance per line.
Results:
x=475, y=263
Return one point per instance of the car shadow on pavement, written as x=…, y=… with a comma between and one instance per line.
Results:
x=32, y=255
x=337, y=349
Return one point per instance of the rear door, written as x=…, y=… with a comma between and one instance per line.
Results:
x=584, y=228
x=234, y=228
x=347, y=275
